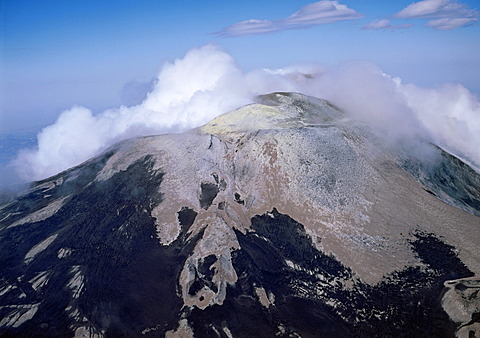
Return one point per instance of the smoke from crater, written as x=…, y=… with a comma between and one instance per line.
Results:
x=207, y=82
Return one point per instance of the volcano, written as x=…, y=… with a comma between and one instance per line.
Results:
x=283, y=218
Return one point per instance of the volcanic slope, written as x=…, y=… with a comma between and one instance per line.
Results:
x=281, y=218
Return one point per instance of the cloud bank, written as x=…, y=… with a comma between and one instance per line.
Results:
x=317, y=13
x=443, y=15
x=446, y=14
x=207, y=82
x=450, y=23
x=435, y=8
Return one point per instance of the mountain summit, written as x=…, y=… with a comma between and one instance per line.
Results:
x=281, y=218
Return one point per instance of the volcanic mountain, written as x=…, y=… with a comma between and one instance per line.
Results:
x=283, y=218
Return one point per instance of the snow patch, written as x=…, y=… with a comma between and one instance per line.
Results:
x=39, y=248
x=64, y=252
x=42, y=214
x=7, y=288
x=40, y=280
x=19, y=314
x=76, y=282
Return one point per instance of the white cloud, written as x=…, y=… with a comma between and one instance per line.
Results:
x=447, y=14
x=207, y=82
x=384, y=24
x=435, y=8
x=450, y=23
x=249, y=27
x=321, y=12
x=452, y=115
x=317, y=13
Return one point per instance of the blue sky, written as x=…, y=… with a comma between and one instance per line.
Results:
x=60, y=53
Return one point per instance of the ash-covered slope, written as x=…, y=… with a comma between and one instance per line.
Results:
x=282, y=218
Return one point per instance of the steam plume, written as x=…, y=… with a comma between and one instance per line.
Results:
x=207, y=82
